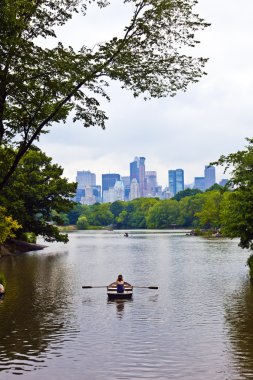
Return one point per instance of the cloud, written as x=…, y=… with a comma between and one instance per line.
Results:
x=212, y=118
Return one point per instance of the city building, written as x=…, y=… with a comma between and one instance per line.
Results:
x=108, y=181
x=126, y=182
x=108, y=195
x=137, y=171
x=176, y=181
x=209, y=176
x=134, y=190
x=85, y=178
x=223, y=182
x=80, y=193
x=134, y=170
x=199, y=183
x=142, y=176
x=119, y=191
x=151, y=183
x=87, y=191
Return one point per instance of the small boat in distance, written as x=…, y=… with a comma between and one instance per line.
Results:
x=113, y=294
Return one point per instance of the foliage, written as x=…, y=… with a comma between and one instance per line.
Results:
x=34, y=191
x=100, y=215
x=7, y=226
x=237, y=215
x=163, y=214
x=188, y=209
x=40, y=86
x=75, y=212
x=82, y=223
x=29, y=237
x=216, y=187
x=209, y=216
x=186, y=193
x=117, y=207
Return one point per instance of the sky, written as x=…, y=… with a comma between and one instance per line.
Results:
x=213, y=117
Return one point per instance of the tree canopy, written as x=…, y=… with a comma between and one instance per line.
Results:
x=237, y=214
x=41, y=85
x=37, y=194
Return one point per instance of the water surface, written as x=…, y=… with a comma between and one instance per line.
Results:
x=198, y=325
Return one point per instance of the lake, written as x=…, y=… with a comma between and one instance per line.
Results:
x=197, y=325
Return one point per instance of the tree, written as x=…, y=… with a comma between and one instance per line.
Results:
x=40, y=86
x=37, y=194
x=163, y=214
x=82, y=223
x=76, y=211
x=237, y=215
x=7, y=226
x=117, y=207
x=188, y=208
x=186, y=193
x=100, y=215
x=210, y=214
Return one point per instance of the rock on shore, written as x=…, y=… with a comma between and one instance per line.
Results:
x=17, y=246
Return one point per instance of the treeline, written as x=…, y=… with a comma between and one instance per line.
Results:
x=200, y=210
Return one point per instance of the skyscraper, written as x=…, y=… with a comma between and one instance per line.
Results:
x=137, y=171
x=209, y=176
x=151, y=183
x=119, y=191
x=142, y=176
x=176, y=181
x=108, y=181
x=199, y=183
x=134, y=170
x=85, y=178
x=134, y=190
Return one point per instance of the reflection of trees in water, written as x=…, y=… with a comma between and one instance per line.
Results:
x=239, y=325
x=34, y=311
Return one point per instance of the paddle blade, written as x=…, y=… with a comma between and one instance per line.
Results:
x=153, y=287
x=87, y=287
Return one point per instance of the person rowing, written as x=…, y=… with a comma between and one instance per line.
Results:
x=120, y=284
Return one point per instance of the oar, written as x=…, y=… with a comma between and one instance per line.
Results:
x=146, y=287
x=89, y=287
x=104, y=286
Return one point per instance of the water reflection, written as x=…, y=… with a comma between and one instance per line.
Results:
x=48, y=322
x=120, y=306
x=239, y=325
x=33, y=314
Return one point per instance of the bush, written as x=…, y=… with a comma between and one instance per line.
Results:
x=82, y=223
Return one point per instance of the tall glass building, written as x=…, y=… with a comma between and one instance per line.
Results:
x=109, y=180
x=176, y=181
x=137, y=171
x=199, y=183
x=209, y=176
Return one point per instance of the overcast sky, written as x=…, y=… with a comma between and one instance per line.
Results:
x=188, y=131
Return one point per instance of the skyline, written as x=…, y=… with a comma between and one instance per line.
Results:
x=148, y=170
x=189, y=131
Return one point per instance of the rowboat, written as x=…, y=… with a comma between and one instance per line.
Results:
x=113, y=294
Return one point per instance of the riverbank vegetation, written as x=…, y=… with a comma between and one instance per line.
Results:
x=202, y=210
x=36, y=195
